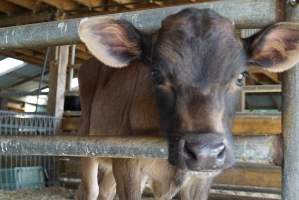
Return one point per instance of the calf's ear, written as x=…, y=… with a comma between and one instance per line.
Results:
x=114, y=42
x=275, y=48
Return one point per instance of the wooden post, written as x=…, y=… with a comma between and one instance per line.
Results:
x=57, y=86
x=3, y=103
x=57, y=82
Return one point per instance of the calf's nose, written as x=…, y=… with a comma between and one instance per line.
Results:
x=205, y=152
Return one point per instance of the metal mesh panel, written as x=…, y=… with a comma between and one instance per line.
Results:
x=14, y=124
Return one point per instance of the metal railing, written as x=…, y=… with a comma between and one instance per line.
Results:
x=245, y=14
x=14, y=124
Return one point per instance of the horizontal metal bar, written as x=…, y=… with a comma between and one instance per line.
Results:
x=260, y=149
x=12, y=93
x=254, y=13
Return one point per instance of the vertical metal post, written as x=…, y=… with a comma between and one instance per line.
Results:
x=290, y=120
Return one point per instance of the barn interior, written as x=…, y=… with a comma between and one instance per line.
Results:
x=31, y=84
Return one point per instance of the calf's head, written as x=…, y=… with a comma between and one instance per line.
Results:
x=198, y=65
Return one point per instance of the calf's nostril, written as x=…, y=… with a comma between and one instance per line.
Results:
x=218, y=149
x=189, y=151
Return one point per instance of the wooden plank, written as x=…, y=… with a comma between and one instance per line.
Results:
x=28, y=4
x=27, y=59
x=8, y=8
x=257, y=125
x=27, y=79
x=57, y=83
x=272, y=76
x=90, y=3
x=26, y=19
x=239, y=195
x=63, y=5
x=268, y=177
x=243, y=124
x=261, y=88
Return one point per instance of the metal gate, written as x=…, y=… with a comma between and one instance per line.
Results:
x=26, y=124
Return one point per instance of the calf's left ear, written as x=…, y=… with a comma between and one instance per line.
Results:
x=114, y=42
x=275, y=48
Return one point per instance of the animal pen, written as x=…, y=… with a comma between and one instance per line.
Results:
x=258, y=139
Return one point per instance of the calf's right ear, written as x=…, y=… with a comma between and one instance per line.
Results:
x=114, y=42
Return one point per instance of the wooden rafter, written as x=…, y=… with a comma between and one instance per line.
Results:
x=27, y=79
x=28, y=4
x=62, y=4
x=90, y=3
x=26, y=19
x=9, y=8
x=23, y=57
x=272, y=76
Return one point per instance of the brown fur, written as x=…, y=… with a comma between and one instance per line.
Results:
x=129, y=110
x=195, y=62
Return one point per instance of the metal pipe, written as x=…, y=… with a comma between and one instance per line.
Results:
x=254, y=13
x=290, y=119
x=13, y=93
x=258, y=149
x=290, y=126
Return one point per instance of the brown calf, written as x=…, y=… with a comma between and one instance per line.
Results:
x=181, y=81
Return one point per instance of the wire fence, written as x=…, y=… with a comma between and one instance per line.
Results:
x=17, y=124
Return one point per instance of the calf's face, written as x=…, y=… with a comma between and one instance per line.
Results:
x=198, y=65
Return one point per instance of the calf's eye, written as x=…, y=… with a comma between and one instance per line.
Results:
x=157, y=77
x=241, y=77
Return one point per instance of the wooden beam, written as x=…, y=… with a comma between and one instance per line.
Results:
x=29, y=53
x=28, y=4
x=238, y=194
x=8, y=8
x=261, y=88
x=243, y=124
x=27, y=79
x=26, y=19
x=257, y=176
x=272, y=76
x=3, y=103
x=62, y=5
x=90, y=3
x=83, y=55
x=27, y=59
x=57, y=83
x=257, y=124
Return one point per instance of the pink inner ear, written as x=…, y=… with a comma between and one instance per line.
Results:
x=272, y=49
x=277, y=48
x=287, y=37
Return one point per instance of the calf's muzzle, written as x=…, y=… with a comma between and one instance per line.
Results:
x=200, y=152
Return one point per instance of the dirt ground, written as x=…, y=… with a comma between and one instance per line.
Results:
x=52, y=193
x=60, y=193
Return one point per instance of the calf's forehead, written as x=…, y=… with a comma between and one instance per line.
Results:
x=199, y=45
